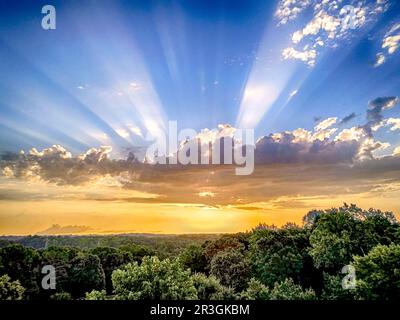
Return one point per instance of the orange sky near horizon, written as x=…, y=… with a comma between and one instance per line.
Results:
x=109, y=217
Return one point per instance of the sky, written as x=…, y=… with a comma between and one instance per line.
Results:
x=317, y=80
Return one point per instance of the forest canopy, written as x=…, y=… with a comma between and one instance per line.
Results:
x=344, y=253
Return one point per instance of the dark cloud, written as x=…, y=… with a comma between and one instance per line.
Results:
x=348, y=118
x=375, y=109
x=317, y=119
x=314, y=162
x=286, y=149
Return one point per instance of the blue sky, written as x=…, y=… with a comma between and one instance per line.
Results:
x=318, y=80
x=114, y=70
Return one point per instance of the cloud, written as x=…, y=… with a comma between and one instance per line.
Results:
x=396, y=152
x=394, y=123
x=292, y=94
x=206, y=194
x=380, y=59
x=322, y=160
x=347, y=119
x=289, y=9
x=135, y=129
x=331, y=22
x=325, y=124
x=95, y=155
x=56, y=151
x=307, y=56
x=322, y=22
x=390, y=43
x=351, y=134
x=70, y=229
x=134, y=85
x=123, y=132
x=374, y=112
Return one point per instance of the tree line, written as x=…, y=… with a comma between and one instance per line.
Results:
x=266, y=263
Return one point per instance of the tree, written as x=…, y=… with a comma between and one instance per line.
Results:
x=339, y=234
x=333, y=240
x=96, y=295
x=10, y=290
x=21, y=263
x=110, y=259
x=136, y=252
x=193, y=257
x=277, y=254
x=333, y=288
x=85, y=274
x=60, y=258
x=255, y=291
x=153, y=279
x=211, y=248
x=231, y=268
x=209, y=288
x=288, y=290
x=378, y=273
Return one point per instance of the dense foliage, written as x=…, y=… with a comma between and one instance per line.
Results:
x=342, y=253
x=153, y=279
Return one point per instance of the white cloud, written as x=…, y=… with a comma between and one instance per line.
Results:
x=96, y=154
x=293, y=93
x=307, y=56
x=134, y=85
x=135, y=130
x=380, y=59
x=354, y=133
x=321, y=22
x=368, y=147
x=8, y=172
x=122, y=132
x=331, y=21
x=325, y=124
x=289, y=9
x=390, y=42
x=394, y=122
x=54, y=151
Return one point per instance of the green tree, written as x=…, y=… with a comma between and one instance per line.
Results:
x=10, y=290
x=209, y=288
x=333, y=240
x=333, y=289
x=110, y=259
x=21, y=263
x=231, y=268
x=193, y=257
x=60, y=258
x=153, y=279
x=85, y=274
x=339, y=234
x=255, y=291
x=136, y=252
x=96, y=295
x=288, y=290
x=277, y=254
x=378, y=273
x=211, y=248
